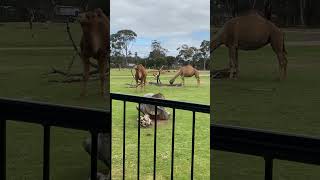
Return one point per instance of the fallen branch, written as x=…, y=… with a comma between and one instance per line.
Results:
x=57, y=71
x=220, y=74
x=73, y=79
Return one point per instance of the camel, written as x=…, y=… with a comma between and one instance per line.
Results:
x=94, y=44
x=140, y=75
x=250, y=32
x=186, y=71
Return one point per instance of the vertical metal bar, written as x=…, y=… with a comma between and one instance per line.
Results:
x=193, y=133
x=124, y=142
x=3, y=149
x=110, y=168
x=138, y=168
x=94, y=156
x=172, y=146
x=268, y=168
x=46, y=152
x=155, y=144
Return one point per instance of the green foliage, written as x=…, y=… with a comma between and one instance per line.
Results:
x=120, y=43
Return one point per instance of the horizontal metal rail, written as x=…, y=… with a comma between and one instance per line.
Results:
x=71, y=117
x=161, y=102
x=93, y=120
x=266, y=144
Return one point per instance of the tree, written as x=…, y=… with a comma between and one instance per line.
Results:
x=122, y=42
x=157, y=50
x=205, y=52
x=186, y=53
x=157, y=54
x=171, y=61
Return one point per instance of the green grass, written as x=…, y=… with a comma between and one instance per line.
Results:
x=190, y=93
x=259, y=100
x=45, y=35
x=23, y=76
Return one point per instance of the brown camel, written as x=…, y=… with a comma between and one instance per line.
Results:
x=94, y=44
x=140, y=75
x=251, y=32
x=186, y=71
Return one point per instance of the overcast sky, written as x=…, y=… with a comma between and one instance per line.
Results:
x=172, y=22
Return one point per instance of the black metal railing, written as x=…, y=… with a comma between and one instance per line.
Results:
x=92, y=120
x=266, y=144
x=165, y=103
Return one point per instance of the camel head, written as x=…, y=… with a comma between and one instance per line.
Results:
x=135, y=67
x=89, y=21
x=99, y=12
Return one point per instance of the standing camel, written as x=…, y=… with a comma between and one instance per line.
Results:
x=140, y=75
x=94, y=44
x=186, y=71
x=251, y=32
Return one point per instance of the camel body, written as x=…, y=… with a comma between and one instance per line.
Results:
x=140, y=75
x=94, y=44
x=186, y=71
x=251, y=32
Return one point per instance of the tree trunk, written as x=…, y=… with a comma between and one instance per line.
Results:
x=126, y=56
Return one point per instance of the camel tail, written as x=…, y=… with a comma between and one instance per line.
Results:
x=132, y=74
x=284, y=47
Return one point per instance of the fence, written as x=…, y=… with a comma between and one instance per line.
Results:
x=268, y=145
x=165, y=103
x=47, y=115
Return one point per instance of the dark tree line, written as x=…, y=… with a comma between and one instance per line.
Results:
x=282, y=12
x=19, y=10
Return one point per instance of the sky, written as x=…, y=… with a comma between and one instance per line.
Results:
x=172, y=22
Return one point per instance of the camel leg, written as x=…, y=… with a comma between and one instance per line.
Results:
x=198, y=80
x=86, y=69
x=282, y=65
x=232, y=52
x=182, y=80
x=197, y=77
x=277, y=44
x=144, y=82
x=102, y=71
x=236, y=64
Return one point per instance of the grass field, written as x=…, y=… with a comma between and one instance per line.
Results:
x=259, y=100
x=191, y=93
x=23, y=76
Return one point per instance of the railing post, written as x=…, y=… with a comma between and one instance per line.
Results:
x=124, y=142
x=138, y=168
x=172, y=145
x=155, y=145
x=46, y=152
x=110, y=138
x=268, y=168
x=2, y=149
x=94, y=152
x=193, y=134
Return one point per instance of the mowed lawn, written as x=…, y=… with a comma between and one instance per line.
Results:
x=183, y=133
x=24, y=75
x=259, y=100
